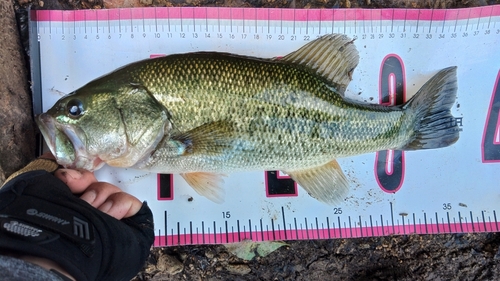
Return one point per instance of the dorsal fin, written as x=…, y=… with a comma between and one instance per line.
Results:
x=332, y=56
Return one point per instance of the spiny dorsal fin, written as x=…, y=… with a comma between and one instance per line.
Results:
x=332, y=56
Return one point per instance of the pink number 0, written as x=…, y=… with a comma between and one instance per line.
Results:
x=390, y=165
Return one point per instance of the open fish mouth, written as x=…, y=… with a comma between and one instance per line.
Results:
x=66, y=144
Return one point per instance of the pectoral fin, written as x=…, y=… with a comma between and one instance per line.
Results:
x=207, y=184
x=326, y=183
x=209, y=139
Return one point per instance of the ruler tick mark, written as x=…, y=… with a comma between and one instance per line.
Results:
x=472, y=222
x=284, y=221
x=215, y=233
x=307, y=230
x=371, y=225
x=317, y=228
x=296, y=229
x=484, y=221
x=340, y=227
x=495, y=218
x=437, y=222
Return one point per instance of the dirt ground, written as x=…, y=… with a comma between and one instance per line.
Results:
x=414, y=257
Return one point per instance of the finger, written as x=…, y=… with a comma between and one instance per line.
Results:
x=121, y=205
x=77, y=179
x=97, y=193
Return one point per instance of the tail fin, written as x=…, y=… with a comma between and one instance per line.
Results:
x=430, y=107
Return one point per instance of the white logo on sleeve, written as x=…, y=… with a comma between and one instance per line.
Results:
x=34, y=212
x=22, y=229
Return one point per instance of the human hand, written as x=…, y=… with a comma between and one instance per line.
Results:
x=104, y=196
x=92, y=230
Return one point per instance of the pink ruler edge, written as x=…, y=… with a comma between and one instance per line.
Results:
x=323, y=233
x=265, y=14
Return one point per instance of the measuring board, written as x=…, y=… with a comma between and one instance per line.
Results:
x=453, y=189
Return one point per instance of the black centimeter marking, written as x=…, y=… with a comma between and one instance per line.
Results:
x=156, y=21
x=165, y=229
x=296, y=228
x=442, y=28
x=203, y=231
x=272, y=227
x=191, y=232
x=307, y=230
x=328, y=226
x=215, y=233
x=414, y=224
x=392, y=218
x=178, y=233
x=467, y=24
x=238, y=226
x=382, y=224
x=495, y=217
x=231, y=20
x=243, y=21
x=425, y=223
x=460, y=221
x=430, y=22
x=250, y=228
x=307, y=21
x=227, y=232
x=340, y=227
x=437, y=222
x=371, y=225
x=206, y=19
x=472, y=222
x=284, y=221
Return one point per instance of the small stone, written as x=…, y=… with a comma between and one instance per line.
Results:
x=497, y=256
x=240, y=269
x=169, y=264
x=209, y=254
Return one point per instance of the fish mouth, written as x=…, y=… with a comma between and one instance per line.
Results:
x=66, y=145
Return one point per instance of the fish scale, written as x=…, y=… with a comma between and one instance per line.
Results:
x=267, y=84
x=205, y=114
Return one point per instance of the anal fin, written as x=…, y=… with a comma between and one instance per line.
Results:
x=326, y=183
x=208, y=185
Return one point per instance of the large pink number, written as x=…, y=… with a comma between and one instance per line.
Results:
x=390, y=164
x=491, y=136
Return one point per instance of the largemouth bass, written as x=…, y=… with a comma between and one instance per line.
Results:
x=206, y=114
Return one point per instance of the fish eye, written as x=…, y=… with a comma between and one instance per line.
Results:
x=74, y=108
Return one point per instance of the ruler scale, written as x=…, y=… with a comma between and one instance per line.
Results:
x=455, y=189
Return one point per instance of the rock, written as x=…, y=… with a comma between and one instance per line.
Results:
x=240, y=269
x=17, y=138
x=169, y=264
